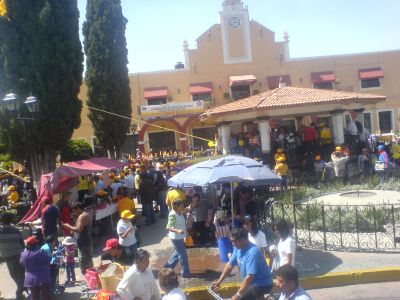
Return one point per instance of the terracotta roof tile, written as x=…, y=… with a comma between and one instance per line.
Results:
x=291, y=97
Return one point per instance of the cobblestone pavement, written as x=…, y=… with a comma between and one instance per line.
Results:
x=206, y=266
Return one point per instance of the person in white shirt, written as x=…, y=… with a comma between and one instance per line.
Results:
x=138, y=282
x=169, y=284
x=286, y=245
x=256, y=236
x=126, y=233
x=129, y=183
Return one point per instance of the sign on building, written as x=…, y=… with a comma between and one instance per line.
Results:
x=174, y=109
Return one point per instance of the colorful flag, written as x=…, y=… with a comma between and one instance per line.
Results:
x=3, y=8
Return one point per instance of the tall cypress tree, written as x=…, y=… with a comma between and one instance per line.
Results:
x=41, y=54
x=107, y=72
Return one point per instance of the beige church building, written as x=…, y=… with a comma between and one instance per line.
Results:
x=240, y=58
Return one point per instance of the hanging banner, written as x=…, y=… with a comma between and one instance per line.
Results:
x=174, y=109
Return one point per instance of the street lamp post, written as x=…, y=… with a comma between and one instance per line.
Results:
x=11, y=103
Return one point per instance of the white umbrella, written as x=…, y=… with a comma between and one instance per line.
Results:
x=223, y=170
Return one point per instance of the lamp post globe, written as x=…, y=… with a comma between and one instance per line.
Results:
x=32, y=104
x=10, y=102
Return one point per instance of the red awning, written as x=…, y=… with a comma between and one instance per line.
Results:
x=65, y=177
x=201, y=88
x=156, y=92
x=273, y=81
x=371, y=73
x=242, y=80
x=320, y=77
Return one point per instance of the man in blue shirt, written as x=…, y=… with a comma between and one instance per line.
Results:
x=254, y=270
x=288, y=281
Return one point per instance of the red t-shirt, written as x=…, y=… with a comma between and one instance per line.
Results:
x=309, y=134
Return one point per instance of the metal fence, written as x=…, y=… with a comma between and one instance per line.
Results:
x=338, y=227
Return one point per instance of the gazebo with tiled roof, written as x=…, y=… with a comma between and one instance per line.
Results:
x=287, y=102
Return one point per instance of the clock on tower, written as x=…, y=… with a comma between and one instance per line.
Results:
x=235, y=32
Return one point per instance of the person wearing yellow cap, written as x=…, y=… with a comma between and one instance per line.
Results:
x=318, y=166
x=279, y=154
x=126, y=233
x=339, y=160
x=12, y=197
x=281, y=169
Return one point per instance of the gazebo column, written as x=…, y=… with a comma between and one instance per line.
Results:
x=224, y=133
x=338, y=126
x=265, y=135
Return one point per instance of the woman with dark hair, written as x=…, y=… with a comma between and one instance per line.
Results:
x=37, y=274
x=169, y=284
x=256, y=236
x=286, y=245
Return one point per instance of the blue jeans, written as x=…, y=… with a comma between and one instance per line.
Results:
x=149, y=212
x=180, y=255
x=131, y=250
x=70, y=268
x=162, y=195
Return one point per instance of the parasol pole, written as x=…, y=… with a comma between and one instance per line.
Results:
x=232, y=214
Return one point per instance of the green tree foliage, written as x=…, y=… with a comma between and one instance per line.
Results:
x=41, y=54
x=76, y=150
x=107, y=72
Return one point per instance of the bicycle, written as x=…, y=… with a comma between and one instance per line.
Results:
x=216, y=296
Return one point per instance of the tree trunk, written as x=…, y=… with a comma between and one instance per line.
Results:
x=43, y=161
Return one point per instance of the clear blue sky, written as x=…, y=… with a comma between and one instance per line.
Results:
x=157, y=28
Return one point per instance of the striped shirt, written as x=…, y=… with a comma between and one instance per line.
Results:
x=11, y=242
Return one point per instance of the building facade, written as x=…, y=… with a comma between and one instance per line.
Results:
x=238, y=58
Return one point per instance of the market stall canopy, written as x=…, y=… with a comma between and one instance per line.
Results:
x=226, y=169
x=65, y=177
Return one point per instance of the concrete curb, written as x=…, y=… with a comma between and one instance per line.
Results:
x=334, y=279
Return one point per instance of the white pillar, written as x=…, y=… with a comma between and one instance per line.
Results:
x=338, y=127
x=263, y=127
x=224, y=133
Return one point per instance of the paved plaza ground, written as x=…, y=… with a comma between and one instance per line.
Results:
x=205, y=265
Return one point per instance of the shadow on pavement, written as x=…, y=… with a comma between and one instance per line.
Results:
x=311, y=262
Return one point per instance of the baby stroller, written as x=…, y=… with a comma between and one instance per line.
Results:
x=57, y=266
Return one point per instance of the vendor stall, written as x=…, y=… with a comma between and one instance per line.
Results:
x=66, y=176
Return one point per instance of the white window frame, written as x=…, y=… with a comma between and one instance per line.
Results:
x=211, y=97
x=371, y=88
x=372, y=122
x=147, y=101
x=383, y=110
x=231, y=92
